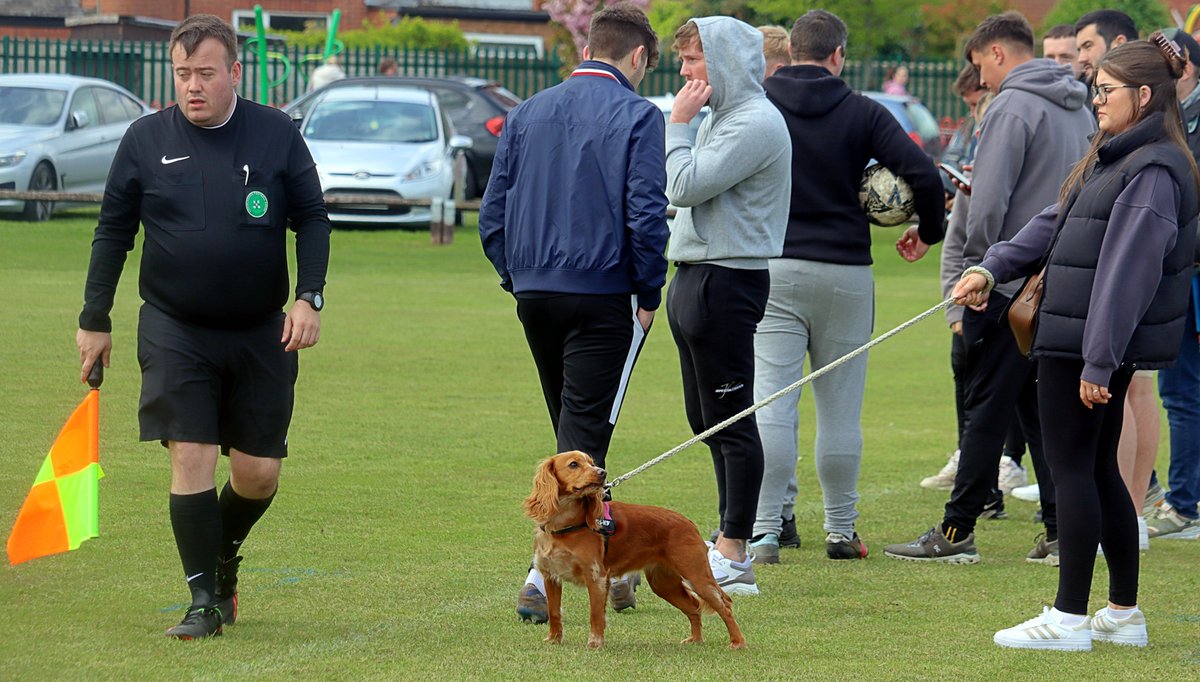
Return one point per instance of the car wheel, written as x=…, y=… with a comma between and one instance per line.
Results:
x=42, y=180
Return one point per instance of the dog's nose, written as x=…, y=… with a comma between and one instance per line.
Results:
x=601, y=472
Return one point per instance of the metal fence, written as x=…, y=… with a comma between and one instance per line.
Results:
x=145, y=69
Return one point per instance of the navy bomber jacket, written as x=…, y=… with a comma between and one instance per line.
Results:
x=576, y=201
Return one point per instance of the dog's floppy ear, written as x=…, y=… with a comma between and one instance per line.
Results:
x=542, y=503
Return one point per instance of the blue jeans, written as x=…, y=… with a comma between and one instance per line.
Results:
x=1179, y=387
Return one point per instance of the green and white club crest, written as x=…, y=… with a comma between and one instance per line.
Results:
x=256, y=204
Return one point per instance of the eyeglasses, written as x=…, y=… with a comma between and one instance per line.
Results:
x=1100, y=93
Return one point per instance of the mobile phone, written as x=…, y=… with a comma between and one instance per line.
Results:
x=956, y=174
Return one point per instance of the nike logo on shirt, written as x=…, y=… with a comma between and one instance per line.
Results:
x=190, y=578
x=167, y=162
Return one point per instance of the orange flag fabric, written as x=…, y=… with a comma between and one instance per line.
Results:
x=63, y=507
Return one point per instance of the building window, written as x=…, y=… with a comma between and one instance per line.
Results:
x=243, y=20
x=508, y=46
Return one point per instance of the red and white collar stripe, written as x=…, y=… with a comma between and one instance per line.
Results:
x=593, y=72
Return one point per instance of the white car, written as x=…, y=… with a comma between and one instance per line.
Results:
x=59, y=132
x=385, y=140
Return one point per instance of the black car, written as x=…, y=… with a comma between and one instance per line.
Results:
x=476, y=107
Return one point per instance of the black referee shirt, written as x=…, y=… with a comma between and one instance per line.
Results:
x=215, y=203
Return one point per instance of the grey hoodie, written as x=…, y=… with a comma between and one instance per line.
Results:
x=734, y=187
x=1035, y=130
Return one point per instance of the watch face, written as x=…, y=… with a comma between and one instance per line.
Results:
x=318, y=300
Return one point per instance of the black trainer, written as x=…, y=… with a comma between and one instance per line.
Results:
x=788, y=537
x=994, y=507
x=227, y=596
x=199, y=622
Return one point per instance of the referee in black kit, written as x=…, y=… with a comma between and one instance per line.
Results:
x=215, y=180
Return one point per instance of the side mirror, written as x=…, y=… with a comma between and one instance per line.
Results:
x=79, y=119
x=461, y=142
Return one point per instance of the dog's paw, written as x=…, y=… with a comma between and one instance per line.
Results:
x=739, y=645
x=595, y=642
x=554, y=638
x=693, y=640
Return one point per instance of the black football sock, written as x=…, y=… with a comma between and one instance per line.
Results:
x=196, y=520
x=238, y=516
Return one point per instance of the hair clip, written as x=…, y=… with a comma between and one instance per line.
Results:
x=1169, y=48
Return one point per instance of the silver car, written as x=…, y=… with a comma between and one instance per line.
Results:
x=384, y=140
x=59, y=132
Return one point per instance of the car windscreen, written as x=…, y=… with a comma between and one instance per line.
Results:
x=923, y=119
x=371, y=121
x=503, y=96
x=25, y=106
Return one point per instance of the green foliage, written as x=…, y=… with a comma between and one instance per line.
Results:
x=1147, y=15
x=878, y=28
x=948, y=23
x=666, y=18
x=407, y=33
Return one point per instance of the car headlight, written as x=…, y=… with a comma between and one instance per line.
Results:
x=12, y=158
x=425, y=170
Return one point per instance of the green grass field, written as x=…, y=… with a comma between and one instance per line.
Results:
x=397, y=544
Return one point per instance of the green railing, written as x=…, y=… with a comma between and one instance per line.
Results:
x=145, y=69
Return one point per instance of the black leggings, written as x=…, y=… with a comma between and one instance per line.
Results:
x=1080, y=446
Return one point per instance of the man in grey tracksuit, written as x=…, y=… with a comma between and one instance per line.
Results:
x=731, y=190
x=1035, y=130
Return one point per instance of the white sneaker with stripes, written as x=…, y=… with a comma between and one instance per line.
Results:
x=1130, y=631
x=1047, y=631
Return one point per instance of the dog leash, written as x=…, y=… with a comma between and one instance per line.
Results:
x=778, y=394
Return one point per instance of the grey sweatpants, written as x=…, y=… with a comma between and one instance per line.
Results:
x=825, y=311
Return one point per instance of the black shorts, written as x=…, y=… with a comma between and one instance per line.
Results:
x=232, y=387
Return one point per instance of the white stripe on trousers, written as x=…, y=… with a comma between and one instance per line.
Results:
x=635, y=347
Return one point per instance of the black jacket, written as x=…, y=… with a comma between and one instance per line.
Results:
x=216, y=204
x=1071, y=271
x=835, y=133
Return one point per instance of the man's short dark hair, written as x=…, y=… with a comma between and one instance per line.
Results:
x=1010, y=28
x=1060, y=31
x=816, y=34
x=618, y=30
x=200, y=27
x=1110, y=23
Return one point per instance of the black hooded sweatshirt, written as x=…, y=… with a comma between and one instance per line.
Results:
x=835, y=133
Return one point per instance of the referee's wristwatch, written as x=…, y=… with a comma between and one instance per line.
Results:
x=315, y=299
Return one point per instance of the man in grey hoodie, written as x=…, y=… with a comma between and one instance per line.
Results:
x=731, y=188
x=1034, y=131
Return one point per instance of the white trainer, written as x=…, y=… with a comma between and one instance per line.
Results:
x=1047, y=632
x=944, y=479
x=1011, y=475
x=1028, y=493
x=1129, y=631
x=736, y=578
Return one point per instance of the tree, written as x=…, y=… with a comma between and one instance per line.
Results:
x=948, y=23
x=888, y=28
x=576, y=17
x=1147, y=15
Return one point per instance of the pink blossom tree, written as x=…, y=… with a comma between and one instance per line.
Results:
x=576, y=17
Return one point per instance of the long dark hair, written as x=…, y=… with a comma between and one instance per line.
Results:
x=1156, y=63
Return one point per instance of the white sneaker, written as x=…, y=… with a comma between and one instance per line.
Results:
x=1011, y=475
x=1028, y=493
x=1047, y=632
x=1130, y=631
x=944, y=479
x=737, y=579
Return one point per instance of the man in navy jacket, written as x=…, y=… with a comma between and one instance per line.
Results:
x=574, y=221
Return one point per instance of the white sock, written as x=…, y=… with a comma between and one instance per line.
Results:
x=1070, y=620
x=1121, y=614
x=535, y=579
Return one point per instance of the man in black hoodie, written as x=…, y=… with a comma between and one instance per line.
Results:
x=822, y=290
